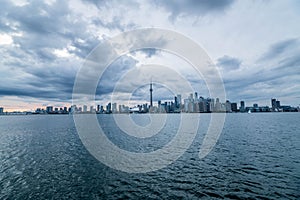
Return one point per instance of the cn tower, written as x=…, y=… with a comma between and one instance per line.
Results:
x=151, y=90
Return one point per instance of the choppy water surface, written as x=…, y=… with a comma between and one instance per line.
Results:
x=257, y=156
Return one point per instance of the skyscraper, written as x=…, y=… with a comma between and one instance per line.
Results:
x=273, y=103
x=196, y=97
x=151, y=90
x=49, y=109
x=277, y=104
x=242, y=108
x=84, y=108
x=179, y=100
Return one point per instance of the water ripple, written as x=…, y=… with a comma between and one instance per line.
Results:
x=257, y=157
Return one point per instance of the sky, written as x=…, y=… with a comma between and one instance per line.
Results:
x=255, y=45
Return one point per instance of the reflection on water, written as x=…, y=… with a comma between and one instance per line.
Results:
x=257, y=156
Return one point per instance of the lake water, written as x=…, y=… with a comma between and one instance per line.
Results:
x=257, y=156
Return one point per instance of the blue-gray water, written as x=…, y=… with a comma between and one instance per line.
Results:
x=257, y=157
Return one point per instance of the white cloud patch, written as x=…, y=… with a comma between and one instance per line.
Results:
x=6, y=39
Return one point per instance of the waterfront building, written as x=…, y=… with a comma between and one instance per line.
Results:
x=1, y=110
x=277, y=104
x=84, y=108
x=234, y=107
x=108, y=108
x=91, y=109
x=218, y=106
x=273, y=104
x=210, y=105
x=242, y=107
x=228, y=106
x=73, y=109
x=190, y=107
x=151, y=90
x=114, y=108
x=98, y=108
x=196, y=97
x=176, y=101
x=179, y=100
x=186, y=105
x=191, y=98
x=202, y=106
x=49, y=109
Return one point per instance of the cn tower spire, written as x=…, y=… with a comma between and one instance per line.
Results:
x=151, y=90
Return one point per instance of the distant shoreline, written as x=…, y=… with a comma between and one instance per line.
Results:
x=70, y=114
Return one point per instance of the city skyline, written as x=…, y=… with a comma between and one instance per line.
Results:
x=253, y=44
x=192, y=104
x=83, y=107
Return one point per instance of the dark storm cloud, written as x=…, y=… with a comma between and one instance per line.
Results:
x=194, y=7
x=229, y=63
x=53, y=82
x=45, y=28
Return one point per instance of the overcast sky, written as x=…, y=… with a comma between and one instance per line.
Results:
x=254, y=44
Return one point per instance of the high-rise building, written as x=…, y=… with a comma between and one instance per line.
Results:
x=234, y=107
x=49, y=109
x=191, y=108
x=73, y=109
x=218, y=105
x=179, y=100
x=114, y=108
x=186, y=105
x=196, y=97
x=151, y=90
x=108, y=108
x=84, y=108
x=1, y=110
x=191, y=98
x=242, y=107
x=277, y=104
x=228, y=106
x=273, y=103
x=202, y=106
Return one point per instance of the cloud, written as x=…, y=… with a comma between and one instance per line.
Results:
x=273, y=76
x=194, y=7
x=229, y=63
x=48, y=82
x=43, y=45
x=149, y=52
x=279, y=48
